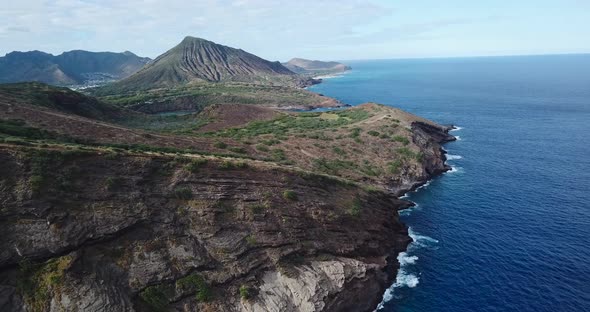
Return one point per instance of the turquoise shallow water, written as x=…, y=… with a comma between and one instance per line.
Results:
x=509, y=228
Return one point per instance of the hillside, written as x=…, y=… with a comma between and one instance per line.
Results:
x=236, y=207
x=69, y=68
x=303, y=66
x=198, y=60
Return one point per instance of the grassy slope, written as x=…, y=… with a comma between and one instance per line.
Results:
x=368, y=143
x=198, y=95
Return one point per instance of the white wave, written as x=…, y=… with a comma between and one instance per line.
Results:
x=404, y=259
x=455, y=169
x=421, y=240
x=425, y=185
x=331, y=76
x=405, y=278
x=458, y=138
x=456, y=129
x=453, y=157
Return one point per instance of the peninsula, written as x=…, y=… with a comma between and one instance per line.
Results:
x=193, y=185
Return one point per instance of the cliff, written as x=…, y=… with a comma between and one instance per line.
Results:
x=102, y=231
x=233, y=208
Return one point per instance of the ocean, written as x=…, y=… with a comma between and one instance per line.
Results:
x=508, y=229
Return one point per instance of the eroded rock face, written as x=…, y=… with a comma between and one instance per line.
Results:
x=428, y=138
x=341, y=284
x=104, y=232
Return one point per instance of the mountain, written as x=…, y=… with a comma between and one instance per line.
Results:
x=69, y=68
x=303, y=66
x=60, y=99
x=200, y=60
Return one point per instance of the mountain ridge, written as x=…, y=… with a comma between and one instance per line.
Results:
x=68, y=68
x=305, y=66
x=200, y=60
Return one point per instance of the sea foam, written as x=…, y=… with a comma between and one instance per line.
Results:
x=405, y=277
x=453, y=157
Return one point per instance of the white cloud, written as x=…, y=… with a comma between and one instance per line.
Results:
x=273, y=29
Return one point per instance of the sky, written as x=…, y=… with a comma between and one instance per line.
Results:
x=315, y=29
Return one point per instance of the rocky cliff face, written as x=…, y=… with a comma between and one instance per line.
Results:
x=97, y=231
x=94, y=227
x=428, y=138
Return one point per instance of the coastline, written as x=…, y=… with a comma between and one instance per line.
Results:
x=403, y=193
x=429, y=137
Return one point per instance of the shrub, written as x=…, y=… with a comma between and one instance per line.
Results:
x=401, y=139
x=36, y=182
x=195, y=164
x=112, y=183
x=270, y=142
x=246, y=292
x=226, y=165
x=257, y=208
x=183, y=193
x=338, y=150
x=220, y=144
x=355, y=207
x=394, y=166
x=262, y=148
x=251, y=240
x=278, y=155
x=197, y=283
x=239, y=150
x=36, y=280
x=155, y=297
x=332, y=166
x=374, y=133
x=290, y=195
x=355, y=132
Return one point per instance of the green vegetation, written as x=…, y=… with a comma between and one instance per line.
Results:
x=333, y=166
x=355, y=207
x=239, y=150
x=36, y=182
x=204, y=94
x=401, y=139
x=374, y=133
x=220, y=144
x=262, y=148
x=251, y=240
x=112, y=183
x=355, y=132
x=195, y=164
x=337, y=150
x=36, y=282
x=228, y=164
x=246, y=292
x=257, y=208
x=19, y=128
x=394, y=166
x=183, y=192
x=293, y=124
x=195, y=283
x=156, y=298
x=290, y=195
x=278, y=155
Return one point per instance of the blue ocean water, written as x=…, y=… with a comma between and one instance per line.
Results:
x=509, y=228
